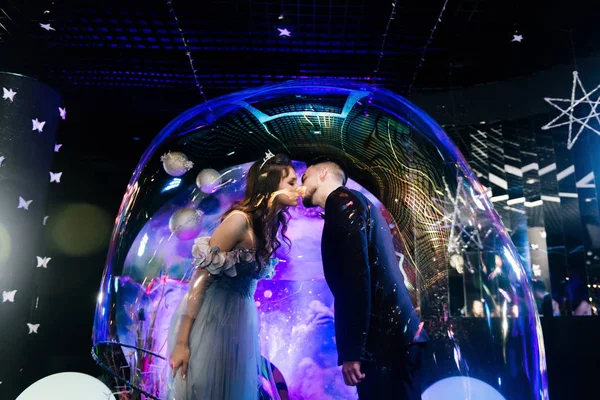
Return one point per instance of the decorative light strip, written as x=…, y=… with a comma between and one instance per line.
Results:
x=188, y=53
x=426, y=46
x=387, y=28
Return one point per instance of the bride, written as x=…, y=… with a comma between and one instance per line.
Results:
x=213, y=339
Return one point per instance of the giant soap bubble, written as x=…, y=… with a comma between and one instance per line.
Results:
x=464, y=274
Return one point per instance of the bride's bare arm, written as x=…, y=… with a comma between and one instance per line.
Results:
x=225, y=237
x=200, y=282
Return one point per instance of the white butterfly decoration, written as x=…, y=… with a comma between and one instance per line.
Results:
x=24, y=204
x=63, y=112
x=33, y=328
x=8, y=296
x=55, y=176
x=8, y=94
x=42, y=262
x=38, y=125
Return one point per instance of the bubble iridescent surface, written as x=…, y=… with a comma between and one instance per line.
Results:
x=457, y=260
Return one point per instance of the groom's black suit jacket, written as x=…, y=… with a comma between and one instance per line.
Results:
x=374, y=317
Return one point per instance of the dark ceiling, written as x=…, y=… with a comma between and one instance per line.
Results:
x=135, y=46
x=123, y=71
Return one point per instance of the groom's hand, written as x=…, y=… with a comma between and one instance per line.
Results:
x=352, y=374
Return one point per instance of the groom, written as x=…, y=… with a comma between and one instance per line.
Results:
x=378, y=332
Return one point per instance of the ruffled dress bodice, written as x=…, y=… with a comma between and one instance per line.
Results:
x=237, y=269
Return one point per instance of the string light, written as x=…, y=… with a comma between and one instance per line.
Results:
x=188, y=53
x=6, y=18
x=387, y=28
x=426, y=46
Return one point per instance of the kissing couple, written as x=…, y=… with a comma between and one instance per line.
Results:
x=213, y=339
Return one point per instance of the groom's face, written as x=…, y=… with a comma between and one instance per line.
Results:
x=310, y=180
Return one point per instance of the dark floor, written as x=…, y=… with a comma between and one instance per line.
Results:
x=573, y=356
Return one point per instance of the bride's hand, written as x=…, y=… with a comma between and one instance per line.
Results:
x=180, y=357
x=288, y=196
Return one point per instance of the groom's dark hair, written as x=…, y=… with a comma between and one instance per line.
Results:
x=337, y=166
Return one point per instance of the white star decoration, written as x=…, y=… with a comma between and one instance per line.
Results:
x=8, y=94
x=8, y=296
x=583, y=122
x=63, y=112
x=24, y=203
x=284, y=32
x=33, y=328
x=38, y=125
x=517, y=38
x=55, y=177
x=42, y=262
x=47, y=27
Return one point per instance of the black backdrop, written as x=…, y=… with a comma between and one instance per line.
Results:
x=101, y=145
x=24, y=181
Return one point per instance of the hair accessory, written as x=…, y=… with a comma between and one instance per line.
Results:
x=268, y=156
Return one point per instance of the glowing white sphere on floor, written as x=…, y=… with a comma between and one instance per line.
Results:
x=67, y=386
x=461, y=388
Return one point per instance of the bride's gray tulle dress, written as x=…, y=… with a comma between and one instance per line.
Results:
x=225, y=359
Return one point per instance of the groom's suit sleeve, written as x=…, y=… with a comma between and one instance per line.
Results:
x=351, y=279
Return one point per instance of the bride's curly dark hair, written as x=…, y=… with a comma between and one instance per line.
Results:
x=267, y=221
